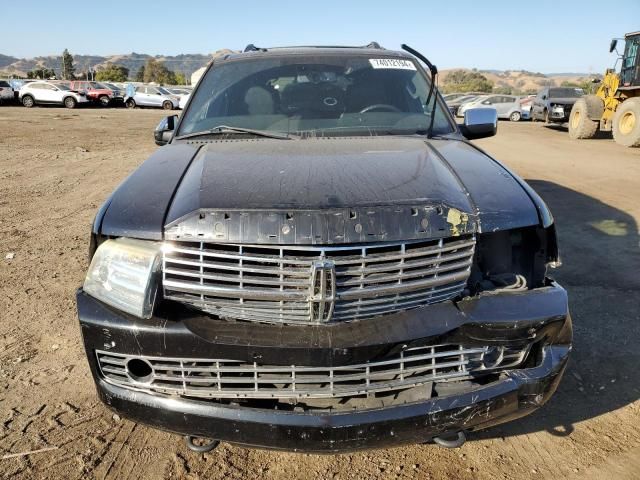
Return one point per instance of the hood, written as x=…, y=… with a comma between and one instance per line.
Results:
x=318, y=175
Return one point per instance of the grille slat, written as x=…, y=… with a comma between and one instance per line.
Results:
x=277, y=284
x=220, y=378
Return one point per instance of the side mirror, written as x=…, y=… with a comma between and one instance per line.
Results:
x=613, y=45
x=164, y=131
x=479, y=123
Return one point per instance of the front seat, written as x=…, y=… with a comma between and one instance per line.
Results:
x=259, y=101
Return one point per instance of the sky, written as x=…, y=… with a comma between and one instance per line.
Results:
x=543, y=36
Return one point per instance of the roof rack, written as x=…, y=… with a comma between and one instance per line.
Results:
x=252, y=48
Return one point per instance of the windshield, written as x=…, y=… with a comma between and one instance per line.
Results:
x=62, y=86
x=326, y=95
x=565, y=92
x=164, y=91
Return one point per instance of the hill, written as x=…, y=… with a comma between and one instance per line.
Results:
x=185, y=63
x=6, y=60
x=522, y=81
x=518, y=81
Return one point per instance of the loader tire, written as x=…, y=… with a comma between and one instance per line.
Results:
x=580, y=125
x=626, y=123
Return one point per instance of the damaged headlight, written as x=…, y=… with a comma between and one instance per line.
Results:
x=124, y=273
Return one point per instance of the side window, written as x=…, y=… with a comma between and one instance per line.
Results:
x=140, y=89
x=631, y=52
x=46, y=86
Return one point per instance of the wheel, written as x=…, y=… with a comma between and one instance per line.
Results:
x=104, y=100
x=28, y=101
x=130, y=103
x=580, y=125
x=626, y=123
x=167, y=105
x=515, y=116
x=207, y=447
x=70, y=102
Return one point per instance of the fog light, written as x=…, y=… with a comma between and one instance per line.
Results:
x=139, y=370
x=492, y=357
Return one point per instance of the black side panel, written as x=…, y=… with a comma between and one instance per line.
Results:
x=139, y=205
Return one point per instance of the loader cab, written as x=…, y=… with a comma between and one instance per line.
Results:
x=630, y=71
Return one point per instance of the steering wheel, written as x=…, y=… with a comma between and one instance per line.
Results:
x=382, y=106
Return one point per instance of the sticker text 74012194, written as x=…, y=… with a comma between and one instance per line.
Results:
x=395, y=63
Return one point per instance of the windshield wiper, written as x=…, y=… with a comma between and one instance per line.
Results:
x=434, y=75
x=222, y=129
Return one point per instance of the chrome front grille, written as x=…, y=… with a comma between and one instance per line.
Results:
x=218, y=378
x=308, y=284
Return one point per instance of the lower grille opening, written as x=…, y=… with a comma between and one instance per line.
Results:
x=405, y=376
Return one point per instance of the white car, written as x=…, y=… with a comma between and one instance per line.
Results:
x=36, y=93
x=507, y=106
x=183, y=101
x=150, y=96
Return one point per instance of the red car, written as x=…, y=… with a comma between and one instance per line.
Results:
x=95, y=91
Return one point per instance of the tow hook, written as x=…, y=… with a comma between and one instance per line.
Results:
x=206, y=447
x=448, y=442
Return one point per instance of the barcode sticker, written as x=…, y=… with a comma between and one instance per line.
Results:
x=395, y=63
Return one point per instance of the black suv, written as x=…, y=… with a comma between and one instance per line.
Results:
x=554, y=104
x=319, y=260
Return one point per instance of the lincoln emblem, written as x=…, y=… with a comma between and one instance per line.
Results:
x=323, y=291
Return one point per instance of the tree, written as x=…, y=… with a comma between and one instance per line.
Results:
x=180, y=79
x=156, y=72
x=112, y=73
x=504, y=90
x=68, y=69
x=41, y=73
x=140, y=74
x=466, y=81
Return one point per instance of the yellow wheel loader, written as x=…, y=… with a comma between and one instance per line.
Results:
x=615, y=107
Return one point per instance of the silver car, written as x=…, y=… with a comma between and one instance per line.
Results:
x=150, y=96
x=507, y=106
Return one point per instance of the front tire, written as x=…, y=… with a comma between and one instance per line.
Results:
x=626, y=123
x=167, y=105
x=580, y=125
x=515, y=116
x=130, y=103
x=104, y=101
x=28, y=101
x=70, y=102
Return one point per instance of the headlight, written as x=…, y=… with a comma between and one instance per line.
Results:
x=124, y=273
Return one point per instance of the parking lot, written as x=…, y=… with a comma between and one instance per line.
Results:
x=58, y=165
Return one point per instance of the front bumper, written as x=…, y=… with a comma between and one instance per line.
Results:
x=539, y=316
x=560, y=115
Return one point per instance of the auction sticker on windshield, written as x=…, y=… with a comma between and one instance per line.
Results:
x=392, y=63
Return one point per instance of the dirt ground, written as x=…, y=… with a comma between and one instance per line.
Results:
x=57, y=166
